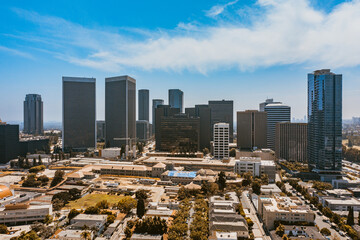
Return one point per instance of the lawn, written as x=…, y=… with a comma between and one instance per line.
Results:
x=92, y=199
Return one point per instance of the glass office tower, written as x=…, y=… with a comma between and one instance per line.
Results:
x=33, y=114
x=325, y=121
x=143, y=104
x=176, y=99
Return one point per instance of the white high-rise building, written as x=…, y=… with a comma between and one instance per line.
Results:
x=221, y=140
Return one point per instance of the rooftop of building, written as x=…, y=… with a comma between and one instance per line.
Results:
x=90, y=217
x=182, y=174
x=278, y=203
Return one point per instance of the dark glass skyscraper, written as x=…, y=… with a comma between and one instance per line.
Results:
x=155, y=104
x=143, y=104
x=120, y=110
x=79, y=113
x=33, y=114
x=325, y=121
x=176, y=99
x=222, y=111
x=9, y=142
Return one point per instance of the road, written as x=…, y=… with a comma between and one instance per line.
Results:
x=258, y=229
x=319, y=219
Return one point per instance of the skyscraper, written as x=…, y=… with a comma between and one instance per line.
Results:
x=222, y=111
x=161, y=112
x=176, y=99
x=100, y=130
x=9, y=142
x=221, y=140
x=33, y=114
x=251, y=129
x=79, y=113
x=291, y=141
x=325, y=122
x=263, y=104
x=120, y=111
x=142, y=130
x=143, y=104
x=276, y=112
x=155, y=104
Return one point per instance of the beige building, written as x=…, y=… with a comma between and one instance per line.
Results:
x=287, y=209
x=158, y=169
x=21, y=214
x=251, y=129
x=291, y=141
x=127, y=170
x=256, y=166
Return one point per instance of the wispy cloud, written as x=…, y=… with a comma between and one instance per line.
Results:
x=218, y=9
x=16, y=52
x=287, y=32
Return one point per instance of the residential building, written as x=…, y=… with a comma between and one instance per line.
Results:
x=9, y=142
x=142, y=130
x=120, y=111
x=155, y=104
x=179, y=133
x=162, y=111
x=176, y=99
x=325, y=123
x=221, y=140
x=144, y=104
x=79, y=113
x=276, y=112
x=223, y=111
x=267, y=101
x=256, y=166
x=287, y=209
x=33, y=114
x=291, y=141
x=294, y=232
x=100, y=130
x=251, y=130
x=23, y=213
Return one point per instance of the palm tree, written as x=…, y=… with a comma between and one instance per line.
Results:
x=86, y=235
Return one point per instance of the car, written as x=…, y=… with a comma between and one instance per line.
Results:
x=342, y=233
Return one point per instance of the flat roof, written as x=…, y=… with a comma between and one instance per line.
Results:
x=181, y=174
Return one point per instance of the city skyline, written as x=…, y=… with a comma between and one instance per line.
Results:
x=281, y=74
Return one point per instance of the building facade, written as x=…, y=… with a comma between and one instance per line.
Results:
x=143, y=109
x=276, y=112
x=155, y=104
x=120, y=111
x=22, y=214
x=251, y=129
x=100, y=130
x=79, y=113
x=291, y=141
x=256, y=166
x=325, y=121
x=221, y=140
x=9, y=142
x=33, y=114
x=161, y=112
x=223, y=111
x=263, y=104
x=179, y=133
x=176, y=99
x=142, y=130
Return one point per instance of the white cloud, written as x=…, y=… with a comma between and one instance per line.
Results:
x=288, y=32
x=15, y=52
x=218, y=9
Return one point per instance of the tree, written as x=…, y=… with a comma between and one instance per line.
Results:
x=206, y=151
x=140, y=208
x=264, y=179
x=256, y=187
x=128, y=233
x=31, y=181
x=126, y=204
x=221, y=181
x=325, y=231
x=350, y=218
x=86, y=235
x=37, y=169
x=58, y=177
x=280, y=230
x=48, y=219
x=141, y=194
x=110, y=219
x=40, y=160
x=43, y=179
x=103, y=204
x=3, y=229
x=232, y=152
x=34, y=162
x=92, y=210
x=73, y=213
x=74, y=193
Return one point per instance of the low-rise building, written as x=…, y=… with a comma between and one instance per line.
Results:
x=178, y=177
x=110, y=152
x=89, y=220
x=287, y=209
x=341, y=204
x=72, y=234
x=299, y=232
x=23, y=213
x=127, y=170
x=256, y=166
x=270, y=189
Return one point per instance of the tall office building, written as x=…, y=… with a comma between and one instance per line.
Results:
x=161, y=112
x=142, y=130
x=120, y=111
x=276, y=112
x=33, y=114
x=251, y=130
x=204, y=113
x=176, y=99
x=291, y=141
x=179, y=133
x=79, y=113
x=221, y=140
x=267, y=101
x=100, y=130
x=155, y=104
x=143, y=113
x=222, y=111
x=325, y=122
x=9, y=142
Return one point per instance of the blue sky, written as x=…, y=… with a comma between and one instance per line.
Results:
x=240, y=50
